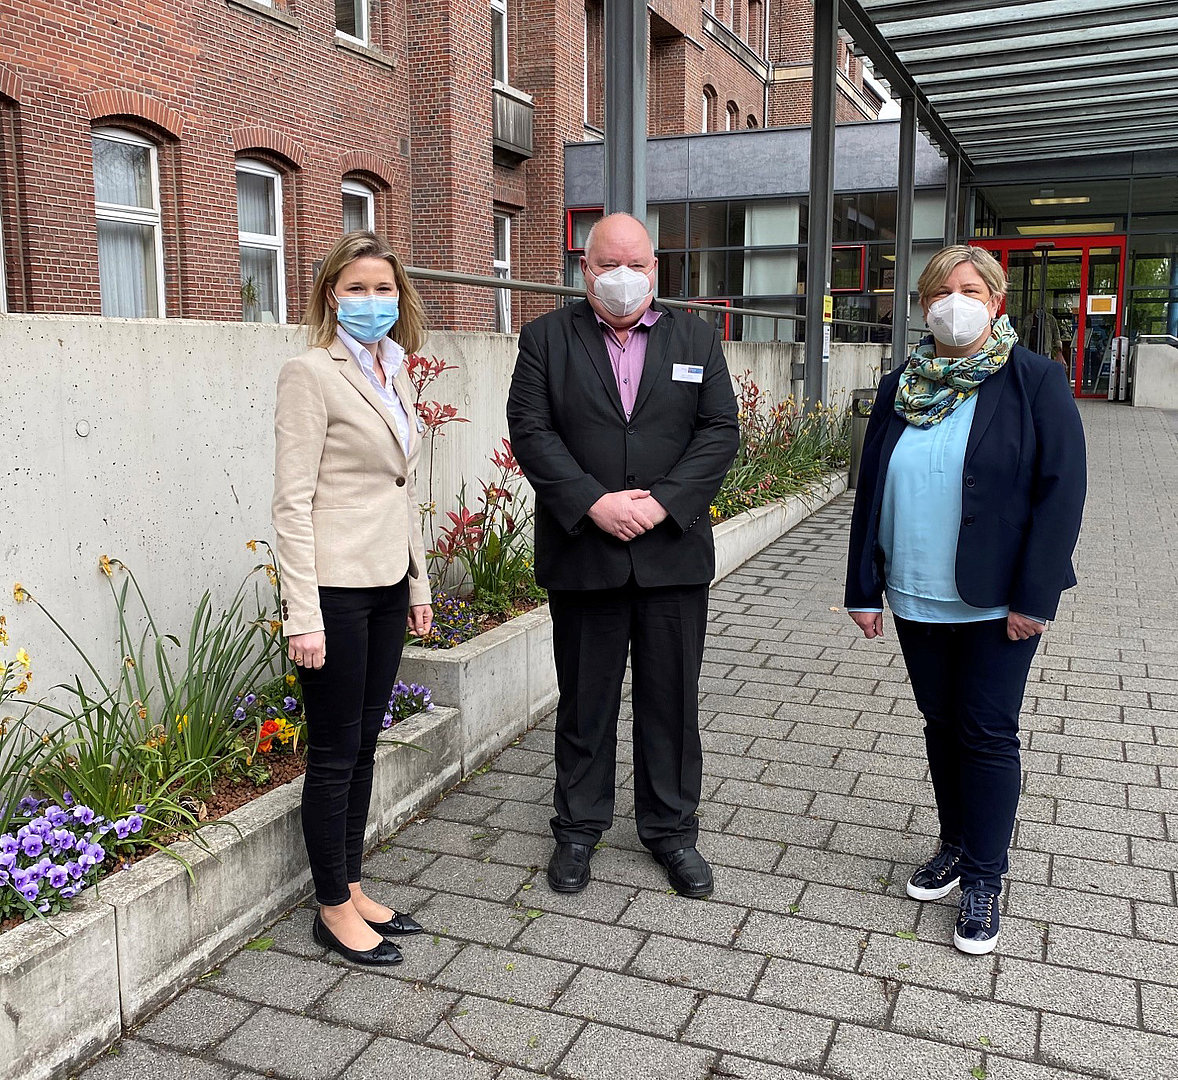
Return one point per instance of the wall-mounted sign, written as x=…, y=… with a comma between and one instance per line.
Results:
x=827, y=308
x=1102, y=305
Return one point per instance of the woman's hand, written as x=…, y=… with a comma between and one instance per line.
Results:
x=1019, y=627
x=307, y=650
x=870, y=622
x=421, y=620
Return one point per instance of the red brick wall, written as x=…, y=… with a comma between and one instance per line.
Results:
x=209, y=69
x=211, y=80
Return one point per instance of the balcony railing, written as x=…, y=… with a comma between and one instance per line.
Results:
x=512, y=127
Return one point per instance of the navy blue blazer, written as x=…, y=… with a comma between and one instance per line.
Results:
x=1022, y=491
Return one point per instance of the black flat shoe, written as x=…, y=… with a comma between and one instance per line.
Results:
x=398, y=926
x=568, y=869
x=383, y=955
x=687, y=871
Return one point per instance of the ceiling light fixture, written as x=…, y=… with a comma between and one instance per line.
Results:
x=1062, y=200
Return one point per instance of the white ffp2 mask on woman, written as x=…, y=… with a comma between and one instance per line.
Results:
x=957, y=319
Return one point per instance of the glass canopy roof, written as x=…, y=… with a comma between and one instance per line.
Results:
x=1001, y=81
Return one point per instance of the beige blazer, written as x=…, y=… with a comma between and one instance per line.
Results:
x=345, y=504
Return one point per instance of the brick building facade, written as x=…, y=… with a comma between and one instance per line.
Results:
x=196, y=160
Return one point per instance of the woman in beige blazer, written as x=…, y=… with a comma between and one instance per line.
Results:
x=353, y=562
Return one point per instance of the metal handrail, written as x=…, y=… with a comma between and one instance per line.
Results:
x=487, y=282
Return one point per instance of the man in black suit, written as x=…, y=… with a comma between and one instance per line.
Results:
x=623, y=419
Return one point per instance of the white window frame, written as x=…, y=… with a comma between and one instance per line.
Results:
x=138, y=215
x=501, y=6
x=363, y=191
x=365, y=23
x=731, y=115
x=502, y=269
x=263, y=240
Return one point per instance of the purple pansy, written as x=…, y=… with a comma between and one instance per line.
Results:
x=9, y=844
x=58, y=877
x=135, y=822
x=83, y=814
x=239, y=713
x=289, y=703
x=32, y=845
x=250, y=699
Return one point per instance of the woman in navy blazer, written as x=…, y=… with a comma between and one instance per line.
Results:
x=967, y=511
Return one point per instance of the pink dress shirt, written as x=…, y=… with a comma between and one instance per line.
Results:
x=628, y=360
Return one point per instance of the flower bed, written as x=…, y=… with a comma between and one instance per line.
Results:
x=143, y=934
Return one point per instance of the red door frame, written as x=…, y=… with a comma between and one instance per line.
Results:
x=1003, y=248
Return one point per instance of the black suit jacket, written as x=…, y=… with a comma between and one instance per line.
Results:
x=574, y=443
x=1022, y=491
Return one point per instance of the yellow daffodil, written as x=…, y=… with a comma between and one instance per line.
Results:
x=252, y=545
x=275, y=627
x=22, y=658
x=128, y=662
x=272, y=574
x=18, y=593
x=104, y=565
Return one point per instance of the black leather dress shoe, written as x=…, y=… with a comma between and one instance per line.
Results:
x=568, y=869
x=399, y=925
x=687, y=871
x=383, y=955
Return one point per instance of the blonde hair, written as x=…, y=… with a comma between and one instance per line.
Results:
x=319, y=319
x=941, y=265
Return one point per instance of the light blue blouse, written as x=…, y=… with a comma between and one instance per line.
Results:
x=920, y=520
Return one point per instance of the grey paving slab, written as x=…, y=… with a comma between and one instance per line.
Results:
x=970, y=1022
x=506, y=975
x=863, y=1053
x=627, y=1055
x=131, y=1059
x=508, y=1034
x=627, y=1001
x=272, y=976
x=1113, y=1052
x=295, y=1047
x=395, y=1059
x=775, y=1035
x=195, y=1020
x=699, y=965
x=841, y=995
x=408, y=1010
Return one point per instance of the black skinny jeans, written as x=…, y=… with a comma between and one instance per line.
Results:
x=968, y=680
x=345, y=703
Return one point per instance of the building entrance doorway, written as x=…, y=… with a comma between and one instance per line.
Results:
x=1066, y=301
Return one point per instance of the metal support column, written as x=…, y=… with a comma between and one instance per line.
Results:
x=952, y=198
x=818, y=295
x=625, y=107
x=905, y=197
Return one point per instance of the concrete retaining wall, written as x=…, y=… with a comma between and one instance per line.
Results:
x=152, y=441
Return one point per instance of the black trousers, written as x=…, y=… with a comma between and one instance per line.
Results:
x=345, y=703
x=664, y=630
x=968, y=680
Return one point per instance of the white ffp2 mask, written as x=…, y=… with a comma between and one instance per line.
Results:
x=957, y=319
x=622, y=291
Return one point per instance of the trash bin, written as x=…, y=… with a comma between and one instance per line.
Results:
x=861, y=405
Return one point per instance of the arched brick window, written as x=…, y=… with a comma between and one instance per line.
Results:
x=708, y=118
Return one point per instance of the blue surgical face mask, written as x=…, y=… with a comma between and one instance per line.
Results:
x=367, y=318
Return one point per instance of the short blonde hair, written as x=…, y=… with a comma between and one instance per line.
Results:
x=319, y=319
x=941, y=265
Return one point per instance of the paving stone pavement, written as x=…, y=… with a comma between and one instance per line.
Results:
x=809, y=961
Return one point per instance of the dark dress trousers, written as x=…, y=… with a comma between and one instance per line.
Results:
x=1022, y=496
x=574, y=443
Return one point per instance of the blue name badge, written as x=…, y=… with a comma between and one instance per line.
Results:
x=687, y=373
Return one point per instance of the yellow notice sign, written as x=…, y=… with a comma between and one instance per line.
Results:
x=828, y=309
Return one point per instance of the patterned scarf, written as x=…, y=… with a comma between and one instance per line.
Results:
x=933, y=386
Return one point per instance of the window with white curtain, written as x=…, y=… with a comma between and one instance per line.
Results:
x=351, y=19
x=259, y=237
x=499, y=41
x=359, y=204
x=502, y=265
x=127, y=206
